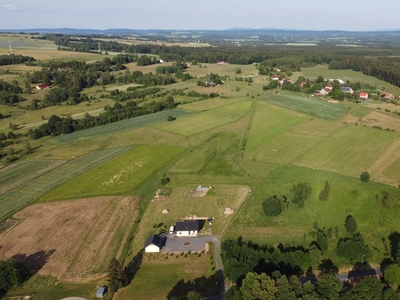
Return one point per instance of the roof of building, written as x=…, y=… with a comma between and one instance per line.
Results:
x=157, y=240
x=187, y=225
x=345, y=88
x=363, y=94
x=101, y=291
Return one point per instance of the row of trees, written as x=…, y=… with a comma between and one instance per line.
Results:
x=14, y=59
x=57, y=125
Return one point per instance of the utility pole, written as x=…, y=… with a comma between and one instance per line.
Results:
x=99, y=46
x=9, y=46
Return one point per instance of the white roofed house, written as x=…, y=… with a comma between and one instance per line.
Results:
x=187, y=228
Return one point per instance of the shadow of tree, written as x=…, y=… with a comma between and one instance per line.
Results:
x=328, y=267
x=133, y=267
x=394, y=239
x=34, y=262
x=207, y=287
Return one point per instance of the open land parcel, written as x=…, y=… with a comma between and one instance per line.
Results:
x=268, y=142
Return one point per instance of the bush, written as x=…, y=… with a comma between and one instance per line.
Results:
x=274, y=205
x=302, y=191
x=170, y=118
x=365, y=176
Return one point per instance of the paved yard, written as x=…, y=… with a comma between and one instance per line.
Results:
x=179, y=244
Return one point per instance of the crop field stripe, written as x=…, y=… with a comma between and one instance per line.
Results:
x=119, y=126
x=316, y=108
x=12, y=201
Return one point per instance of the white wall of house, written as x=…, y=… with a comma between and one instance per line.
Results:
x=187, y=233
x=152, y=249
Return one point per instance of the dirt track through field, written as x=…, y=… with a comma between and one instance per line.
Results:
x=71, y=240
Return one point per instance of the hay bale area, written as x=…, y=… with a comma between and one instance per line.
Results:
x=228, y=211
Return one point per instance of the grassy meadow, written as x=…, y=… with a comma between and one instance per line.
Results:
x=206, y=120
x=25, y=194
x=117, y=176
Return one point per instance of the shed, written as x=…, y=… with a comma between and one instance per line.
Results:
x=101, y=292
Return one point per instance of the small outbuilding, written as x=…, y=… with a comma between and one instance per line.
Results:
x=101, y=291
x=187, y=228
x=155, y=243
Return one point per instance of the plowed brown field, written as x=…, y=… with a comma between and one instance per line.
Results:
x=71, y=240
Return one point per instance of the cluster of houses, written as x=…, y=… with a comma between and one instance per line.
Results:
x=182, y=229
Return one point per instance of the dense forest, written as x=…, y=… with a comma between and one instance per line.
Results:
x=13, y=59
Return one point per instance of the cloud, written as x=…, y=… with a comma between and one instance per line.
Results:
x=9, y=7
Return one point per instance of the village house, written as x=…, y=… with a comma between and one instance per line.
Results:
x=276, y=77
x=303, y=83
x=387, y=95
x=363, y=95
x=346, y=89
x=155, y=243
x=187, y=228
x=329, y=88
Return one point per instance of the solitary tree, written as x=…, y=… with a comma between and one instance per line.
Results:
x=302, y=191
x=324, y=194
x=12, y=273
x=350, y=224
x=116, y=276
x=365, y=176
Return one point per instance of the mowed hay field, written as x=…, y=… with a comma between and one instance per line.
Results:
x=119, y=175
x=207, y=120
x=70, y=240
x=162, y=276
x=33, y=188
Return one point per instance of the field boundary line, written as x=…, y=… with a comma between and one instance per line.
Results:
x=34, y=177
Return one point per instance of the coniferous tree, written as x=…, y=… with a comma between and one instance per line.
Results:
x=116, y=276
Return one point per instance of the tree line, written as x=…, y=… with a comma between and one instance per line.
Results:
x=57, y=125
x=14, y=59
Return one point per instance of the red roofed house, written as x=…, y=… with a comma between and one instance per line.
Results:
x=276, y=77
x=303, y=83
x=364, y=95
x=329, y=87
x=42, y=87
x=387, y=95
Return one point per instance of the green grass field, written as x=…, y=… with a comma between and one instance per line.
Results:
x=117, y=176
x=19, y=197
x=162, y=275
x=347, y=196
x=351, y=151
x=316, y=108
x=203, y=121
x=120, y=126
x=21, y=172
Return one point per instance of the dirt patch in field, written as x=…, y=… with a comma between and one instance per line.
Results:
x=384, y=120
x=70, y=240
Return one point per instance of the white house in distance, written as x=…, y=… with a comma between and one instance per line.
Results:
x=187, y=228
x=155, y=243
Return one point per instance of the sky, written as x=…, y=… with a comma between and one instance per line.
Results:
x=351, y=15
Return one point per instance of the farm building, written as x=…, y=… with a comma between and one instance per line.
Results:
x=187, y=228
x=346, y=89
x=387, y=95
x=101, y=291
x=155, y=243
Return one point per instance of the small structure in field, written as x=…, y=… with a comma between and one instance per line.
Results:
x=155, y=243
x=201, y=191
x=165, y=211
x=187, y=228
x=101, y=292
x=42, y=87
